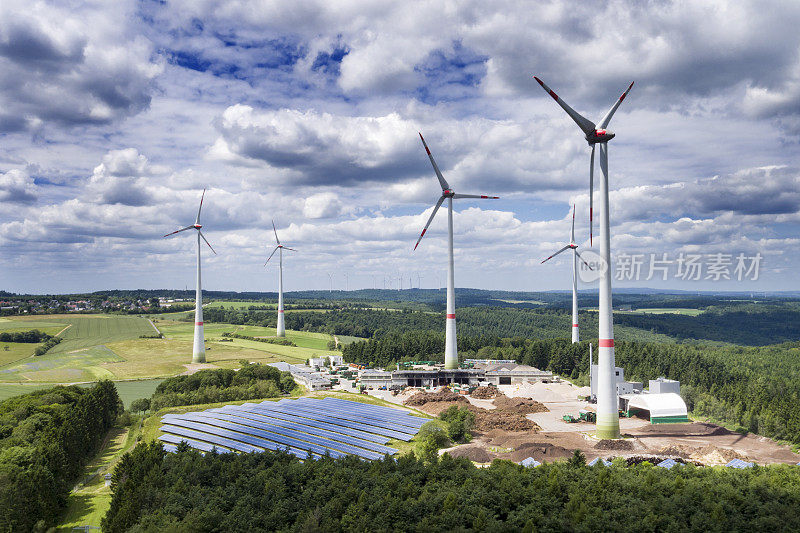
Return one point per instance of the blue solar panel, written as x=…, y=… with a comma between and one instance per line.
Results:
x=352, y=421
x=262, y=414
x=205, y=437
x=310, y=413
x=286, y=436
x=170, y=448
x=374, y=411
x=367, y=414
x=206, y=447
x=272, y=444
x=314, y=407
x=269, y=426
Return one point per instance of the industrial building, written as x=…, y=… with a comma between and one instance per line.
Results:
x=305, y=375
x=662, y=403
x=503, y=373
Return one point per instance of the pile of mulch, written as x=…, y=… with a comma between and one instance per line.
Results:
x=673, y=451
x=444, y=395
x=522, y=406
x=473, y=453
x=487, y=420
x=612, y=444
x=484, y=393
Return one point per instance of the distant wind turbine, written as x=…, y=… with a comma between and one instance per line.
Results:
x=607, y=405
x=575, y=256
x=198, y=347
x=450, y=349
x=281, y=329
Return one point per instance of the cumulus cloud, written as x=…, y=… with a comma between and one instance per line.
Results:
x=17, y=187
x=71, y=65
x=322, y=205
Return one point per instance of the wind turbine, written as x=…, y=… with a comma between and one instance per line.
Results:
x=281, y=329
x=575, y=256
x=607, y=407
x=450, y=349
x=198, y=347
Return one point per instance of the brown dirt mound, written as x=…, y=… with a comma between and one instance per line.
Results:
x=673, y=451
x=521, y=406
x=484, y=393
x=473, y=453
x=486, y=420
x=540, y=451
x=609, y=444
x=444, y=395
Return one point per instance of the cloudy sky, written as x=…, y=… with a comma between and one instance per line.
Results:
x=115, y=115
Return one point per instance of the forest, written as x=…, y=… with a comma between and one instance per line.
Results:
x=154, y=491
x=46, y=437
x=223, y=385
x=750, y=325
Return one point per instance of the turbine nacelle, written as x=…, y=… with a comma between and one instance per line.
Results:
x=197, y=226
x=599, y=136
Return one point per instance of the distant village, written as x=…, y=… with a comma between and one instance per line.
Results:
x=50, y=305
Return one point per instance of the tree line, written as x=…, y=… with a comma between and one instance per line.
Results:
x=32, y=336
x=186, y=491
x=223, y=385
x=46, y=437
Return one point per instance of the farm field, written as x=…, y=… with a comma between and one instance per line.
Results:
x=127, y=390
x=108, y=347
x=240, y=305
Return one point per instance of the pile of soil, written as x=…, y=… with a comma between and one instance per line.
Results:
x=610, y=444
x=444, y=395
x=673, y=451
x=541, y=451
x=473, y=453
x=487, y=420
x=711, y=455
x=522, y=406
x=484, y=393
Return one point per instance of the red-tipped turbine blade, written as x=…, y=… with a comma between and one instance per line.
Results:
x=433, y=214
x=276, y=232
x=591, y=195
x=197, y=220
x=208, y=243
x=442, y=181
x=584, y=260
x=178, y=231
x=270, y=255
x=456, y=196
x=555, y=254
x=586, y=125
x=607, y=118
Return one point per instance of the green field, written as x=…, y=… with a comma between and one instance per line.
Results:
x=108, y=347
x=241, y=305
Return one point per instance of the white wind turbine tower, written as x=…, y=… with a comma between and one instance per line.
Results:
x=450, y=349
x=575, y=256
x=281, y=329
x=198, y=348
x=607, y=405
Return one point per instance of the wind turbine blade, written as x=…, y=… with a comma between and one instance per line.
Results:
x=178, y=231
x=555, y=254
x=572, y=233
x=442, y=181
x=607, y=118
x=586, y=125
x=438, y=205
x=276, y=232
x=270, y=255
x=197, y=220
x=456, y=196
x=287, y=248
x=591, y=194
x=208, y=243
x=584, y=260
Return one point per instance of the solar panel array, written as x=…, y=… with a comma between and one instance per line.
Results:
x=304, y=427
